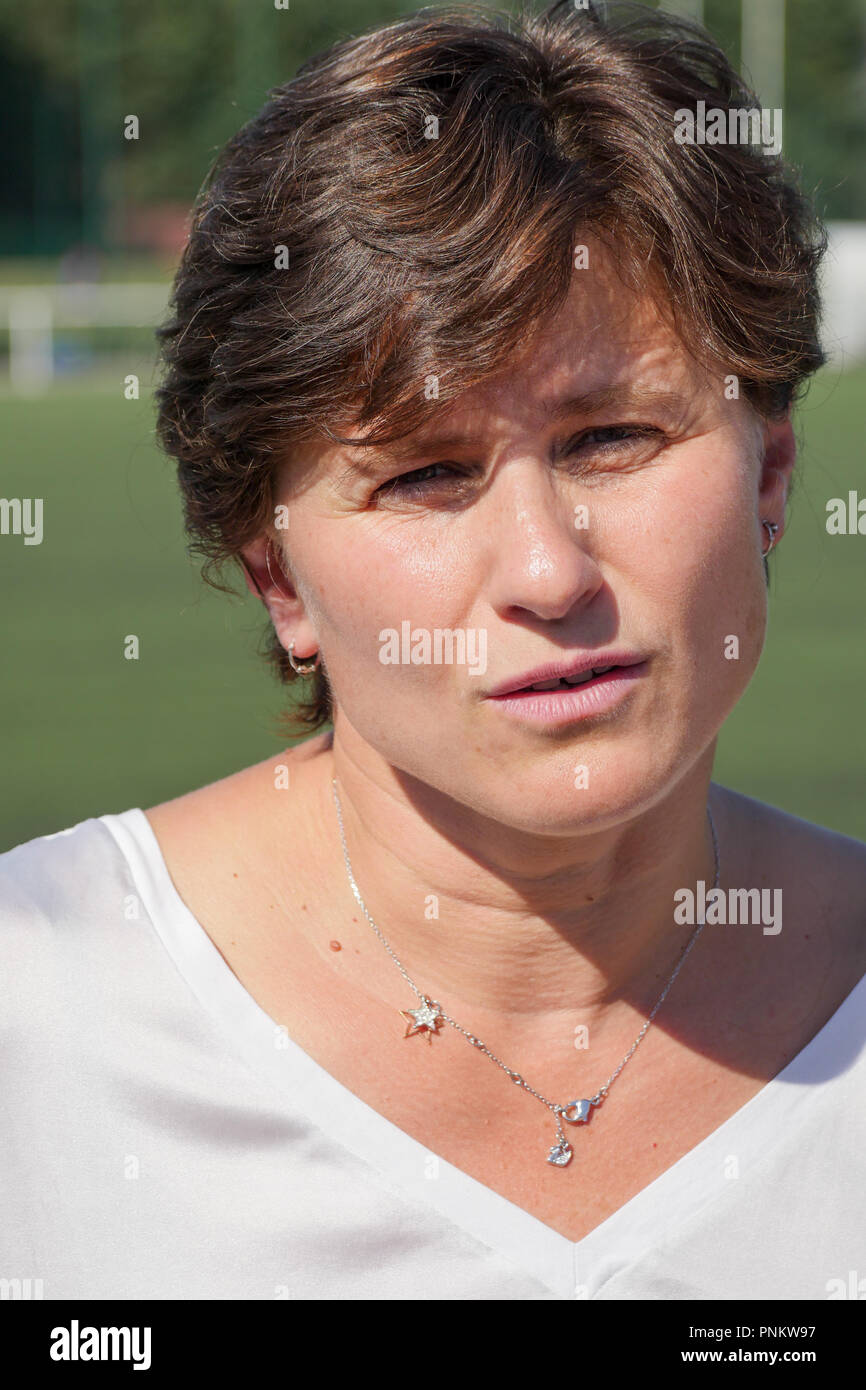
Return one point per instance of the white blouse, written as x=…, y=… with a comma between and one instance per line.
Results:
x=161, y=1136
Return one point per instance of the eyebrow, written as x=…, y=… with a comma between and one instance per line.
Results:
x=614, y=397
x=586, y=403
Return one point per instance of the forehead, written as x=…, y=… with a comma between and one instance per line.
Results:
x=609, y=345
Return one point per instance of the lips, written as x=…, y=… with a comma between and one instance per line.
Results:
x=565, y=675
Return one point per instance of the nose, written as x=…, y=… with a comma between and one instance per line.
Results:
x=539, y=562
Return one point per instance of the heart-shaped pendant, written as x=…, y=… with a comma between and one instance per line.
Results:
x=560, y=1154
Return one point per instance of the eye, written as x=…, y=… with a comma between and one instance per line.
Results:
x=634, y=442
x=610, y=438
x=419, y=480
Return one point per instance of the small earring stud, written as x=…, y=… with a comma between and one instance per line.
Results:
x=772, y=528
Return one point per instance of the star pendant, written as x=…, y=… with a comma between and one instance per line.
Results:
x=428, y=1016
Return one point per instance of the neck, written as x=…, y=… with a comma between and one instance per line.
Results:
x=499, y=923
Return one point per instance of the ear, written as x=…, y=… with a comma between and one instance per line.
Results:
x=779, y=454
x=267, y=578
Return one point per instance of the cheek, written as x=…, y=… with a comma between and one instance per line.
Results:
x=379, y=577
x=360, y=582
x=695, y=561
x=725, y=609
x=730, y=607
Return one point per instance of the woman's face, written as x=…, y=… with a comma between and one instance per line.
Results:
x=627, y=525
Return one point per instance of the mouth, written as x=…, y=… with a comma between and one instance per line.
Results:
x=561, y=701
x=564, y=683
x=564, y=676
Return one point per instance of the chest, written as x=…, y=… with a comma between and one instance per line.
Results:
x=340, y=1001
x=463, y=1109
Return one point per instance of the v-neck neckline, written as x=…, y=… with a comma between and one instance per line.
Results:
x=569, y=1269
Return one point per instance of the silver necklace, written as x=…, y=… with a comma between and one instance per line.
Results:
x=430, y=1016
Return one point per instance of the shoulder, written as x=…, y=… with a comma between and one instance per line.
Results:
x=819, y=873
x=808, y=854
x=62, y=897
x=42, y=877
x=242, y=798
x=228, y=835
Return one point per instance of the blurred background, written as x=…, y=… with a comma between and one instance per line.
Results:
x=112, y=113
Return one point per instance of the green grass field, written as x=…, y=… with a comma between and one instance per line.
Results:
x=85, y=731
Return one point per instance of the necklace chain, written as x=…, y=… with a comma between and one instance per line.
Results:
x=561, y=1153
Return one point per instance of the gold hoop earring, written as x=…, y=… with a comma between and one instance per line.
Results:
x=307, y=668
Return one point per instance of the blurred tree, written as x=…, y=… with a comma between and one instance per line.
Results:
x=825, y=103
x=194, y=72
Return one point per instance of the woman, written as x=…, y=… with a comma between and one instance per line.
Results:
x=486, y=379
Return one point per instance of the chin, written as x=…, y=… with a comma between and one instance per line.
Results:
x=564, y=793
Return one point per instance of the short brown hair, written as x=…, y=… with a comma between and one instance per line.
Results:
x=409, y=255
